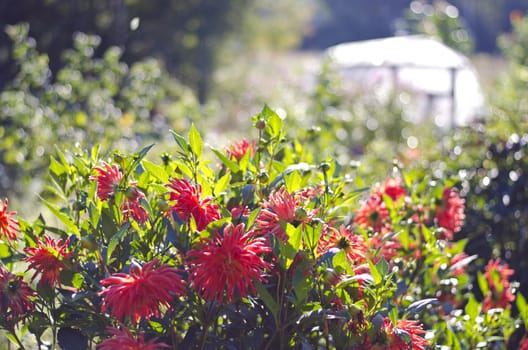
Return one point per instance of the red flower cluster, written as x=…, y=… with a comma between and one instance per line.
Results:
x=108, y=181
x=373, y=214
x=450, y=212
x=354, y=245
x=15, y=296
x=239, y=149
x=390, y=337
x=281, y=207
x=499, y=294
x=8, y=224
x=48, y=259
x=409, y=327
x=392, y=187
x=187, y=203
x=124, y=340
x=228, y=262
x=132, y=205
x=141, y=293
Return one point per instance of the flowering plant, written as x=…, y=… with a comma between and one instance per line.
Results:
x=261, y=250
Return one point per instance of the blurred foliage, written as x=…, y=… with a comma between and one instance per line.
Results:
x=88, y=97
x=189, y=37
x=440, y=20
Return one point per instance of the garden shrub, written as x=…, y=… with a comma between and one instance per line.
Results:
x=260, y=248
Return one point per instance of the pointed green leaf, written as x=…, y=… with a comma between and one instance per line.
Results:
x=268, y=300
x=156, y=171
x=114, y=241
x=232, y=165
x=294, y=236
x=70, y=225
x=195, y=140
x=180, y=140
x=222, y=183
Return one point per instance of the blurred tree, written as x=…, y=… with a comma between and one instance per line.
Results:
x=345, y=20
x=442, y=21
x=184, y=34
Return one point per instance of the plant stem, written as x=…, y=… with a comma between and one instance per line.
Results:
x=19, y=342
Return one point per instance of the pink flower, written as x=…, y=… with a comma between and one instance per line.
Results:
x=141, y=293
x=390, y=337
x=450, y=212
x=188, y=203
x=354, y=245
x=8, y=224
x=373, y=214
x=132, y=207
x=239, y=149
x=15, y=296
x=281, y=207
x=409, y=327
x=228, y=262
x=108, y=179
x=48, y=259
x=393, y=187
x=500, y=294
x=124, y=340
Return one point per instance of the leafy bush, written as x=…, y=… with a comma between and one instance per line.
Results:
x=264, y=249
x=88, y=97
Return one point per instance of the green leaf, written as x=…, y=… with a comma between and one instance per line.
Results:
x=180, y=140
x=375, y=273
x=339, y=260
x=483, y=283
x=472, y=308
x=268, y=300
x=77, y=280
x=294, y=236
x=523, y=309
x=66, y=220
x=195, y=141
x=292, y=181
x=139, y=157
x=232, y=165
x=273, y=121
x=312, y=234
x=114, y=241
x=301, y=284
x=157, y=171
x=222, y=184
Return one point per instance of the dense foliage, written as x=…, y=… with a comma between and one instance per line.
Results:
x=89, y=96
x=259, y=249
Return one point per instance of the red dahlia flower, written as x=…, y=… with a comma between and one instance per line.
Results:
x=124, y=340
x=108, y=179
x=281, y=207
x=354, y=245
x=450, y=212
x=132, y=205
x=8, y=224
x=498, y=277
x=239, y=149
x=188, y=203
x=373, y=214
x=524, y=344
x=15, y=296
x=410, y=328
x=142, y=292
x=393, y=187
x=228, y=262
x=48, y=259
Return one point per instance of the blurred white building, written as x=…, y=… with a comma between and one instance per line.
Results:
x=433, y=80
